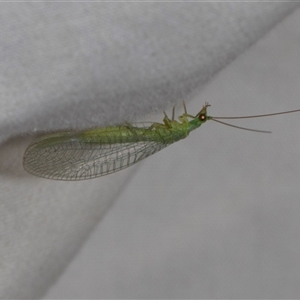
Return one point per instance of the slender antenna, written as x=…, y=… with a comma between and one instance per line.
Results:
x=249, y=129
x=259, y=116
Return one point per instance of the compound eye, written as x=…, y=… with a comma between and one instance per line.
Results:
x=202, y=117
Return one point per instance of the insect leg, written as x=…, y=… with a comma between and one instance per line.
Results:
x=173, y=113
x=185, y=112
x=184, y=117
x=166, y=116
x=167, y=121
x=184, y=107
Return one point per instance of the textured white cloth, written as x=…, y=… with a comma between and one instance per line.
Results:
x=215, y=215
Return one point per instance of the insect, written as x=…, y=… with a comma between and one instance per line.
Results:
x=80, y=155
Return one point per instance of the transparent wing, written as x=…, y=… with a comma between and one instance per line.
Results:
x=74, y=159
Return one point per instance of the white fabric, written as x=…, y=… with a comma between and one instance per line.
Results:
x=215, y=215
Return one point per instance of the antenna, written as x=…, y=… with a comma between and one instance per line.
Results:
x=216, y=119
x=259, y=116
x=243, y=128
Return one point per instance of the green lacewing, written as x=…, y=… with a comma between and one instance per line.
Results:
x=80, y=155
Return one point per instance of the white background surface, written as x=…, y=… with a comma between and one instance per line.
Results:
x=215, y=215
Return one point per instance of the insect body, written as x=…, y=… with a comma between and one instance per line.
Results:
x=79, y=155
x=71, y=155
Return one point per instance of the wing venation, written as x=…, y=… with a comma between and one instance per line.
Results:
x=79, y=160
